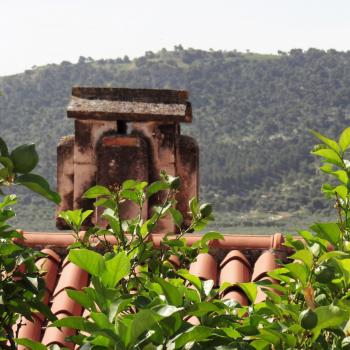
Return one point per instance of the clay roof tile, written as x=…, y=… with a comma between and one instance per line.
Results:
x=235, y=253
x=53, y=335
x=205, y=267
x=62, y=303
x=235, y=268
x=265, y=263
x=72, y=277
x=30, y=329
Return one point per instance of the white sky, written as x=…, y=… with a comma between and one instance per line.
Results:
x=37, y=32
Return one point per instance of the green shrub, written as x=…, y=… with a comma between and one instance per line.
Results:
x=21, y=285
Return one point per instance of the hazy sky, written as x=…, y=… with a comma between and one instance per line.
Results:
x=37, y=32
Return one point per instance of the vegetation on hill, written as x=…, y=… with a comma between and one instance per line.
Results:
x=255, y=111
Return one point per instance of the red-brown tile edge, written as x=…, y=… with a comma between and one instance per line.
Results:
x=72, y=277
x=50, y=269
x=236, y=241
x=261, y=295
x=46, y=239
x=236, y=269
x=174, y=260
x=265, y=263
x=205, y=267
x=53, y=335
x=30, y=330
x=235, y=255
x=193, y=320
x=236, y=294
x=62, y=303
x=52, y=255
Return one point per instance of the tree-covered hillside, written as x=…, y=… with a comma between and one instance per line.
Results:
x=251, y=117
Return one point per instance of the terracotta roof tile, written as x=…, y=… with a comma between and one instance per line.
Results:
x=30, y=329
x=53, y=335
x=235, y=268
x=62, y=303
x=205, y=267
x=72, y=277
x=265, y=263
x=49, y=266
x=229, y=260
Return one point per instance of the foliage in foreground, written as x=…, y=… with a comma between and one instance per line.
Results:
x=21, y=285
x=139, y=300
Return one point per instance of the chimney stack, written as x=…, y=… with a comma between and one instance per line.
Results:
x=125, y=134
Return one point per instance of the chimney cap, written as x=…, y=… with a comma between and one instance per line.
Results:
x=136, y=105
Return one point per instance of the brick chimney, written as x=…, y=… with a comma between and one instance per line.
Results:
x=125, y=134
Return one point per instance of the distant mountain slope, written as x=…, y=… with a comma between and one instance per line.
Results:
x=251, y=116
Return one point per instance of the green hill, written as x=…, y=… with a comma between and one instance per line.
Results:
x=251, y=117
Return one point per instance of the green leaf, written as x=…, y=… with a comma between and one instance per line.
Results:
x=330, y=316
x=147, y=226
x=155, y=187
x=210, y=236
x=329, y=156
x=342, y=176
x=303, y=255
x=327, y=168
x=177, y=216
x=326, y=140
x=39, y=185
x=344, y=139
x=75, y=218
x=43, y=309
x=8, y=248
x=208, y=286
x=8, y=200
x=7, y=163
x=329, y=231
x=30, y=344
x=88, y=260
x=97, y=191
x=250, y=289
x=260, y=344
x=203, y=308
x=101, y=320
x=270, y=335
x=171, y=293
x=4, y=152
x=75, y=322
x=81, y=298
x=329, y=255
x=328, y=190
x=142, y=322
x=194, y=206
x=141, y=185
x=298, y=272
x=194, y=280
x=116, y=268
x=194, y=334
x=166, y=310
x=130, y=195
x=344, y=265
x=129, y=184
x=342, y=191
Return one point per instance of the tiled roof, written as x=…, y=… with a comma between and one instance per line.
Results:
x=235, y=259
